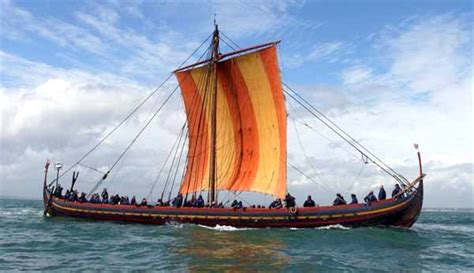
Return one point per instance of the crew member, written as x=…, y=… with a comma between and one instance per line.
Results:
x=354, y=199
x=396, y=190
x=277, y=204
x=105, y=196
x=370, y=198
x=289, y=201
x=339, y=200
x=309, y=202
x=178, y=201
x=200, y=202
x=382, y=194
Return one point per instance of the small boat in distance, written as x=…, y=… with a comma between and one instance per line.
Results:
x=236, y=136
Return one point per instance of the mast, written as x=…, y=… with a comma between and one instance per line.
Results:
x=212, y=176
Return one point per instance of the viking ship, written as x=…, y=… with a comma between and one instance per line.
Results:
x=236, y=135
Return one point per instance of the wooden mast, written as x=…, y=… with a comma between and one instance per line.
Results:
x=212, y=176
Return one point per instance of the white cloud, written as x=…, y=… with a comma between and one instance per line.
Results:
x=431, y=54
x=329, y=50
x=356, y=75
x=423, y=96
x=63, y=113
x=414, y=101
x=21, y=24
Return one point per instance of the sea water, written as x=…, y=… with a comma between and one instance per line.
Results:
x=441, y=240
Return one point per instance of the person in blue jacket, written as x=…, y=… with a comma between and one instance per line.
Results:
x=382, y=194
x=370, y=198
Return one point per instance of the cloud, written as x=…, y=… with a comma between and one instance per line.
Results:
x=404, y=100
x=418, y=91
x=253, y=17
x=432, y=53
x=63, y=113
x=21, y=24
x=326, y=50
x=356, y=74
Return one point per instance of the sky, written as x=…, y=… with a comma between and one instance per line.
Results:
x=391, y=73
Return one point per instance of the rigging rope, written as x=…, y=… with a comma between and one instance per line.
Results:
x=354, y=142
x=164, y=164
x=130, y=114
x=357, y=177
x=390, y=171
x=177, y=167
x=172, y=163
x=202, y=85
x=310, y=178
x=303, y=150
x=133, y=142
x=89, y=167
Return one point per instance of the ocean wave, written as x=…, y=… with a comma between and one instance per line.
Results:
x=443, y=227
x=21, y=212
x=174, y=224
x=338, y=226
x=469, y=210
x=224, y=228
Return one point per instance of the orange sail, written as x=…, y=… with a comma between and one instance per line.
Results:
x=250, y=129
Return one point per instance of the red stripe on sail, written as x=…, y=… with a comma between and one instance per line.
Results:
x=224, y=78
x=270, y=62
x=198, y=152
x=250, y=140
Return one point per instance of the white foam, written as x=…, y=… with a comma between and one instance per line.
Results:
x=224, y=228
x=174, y=224
x=19, y=212
x=338, y=226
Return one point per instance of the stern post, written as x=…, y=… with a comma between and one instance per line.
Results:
x=46, y=167
x=46, y=195
x=419, y=163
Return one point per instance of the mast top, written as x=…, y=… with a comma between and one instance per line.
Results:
x=215, y=21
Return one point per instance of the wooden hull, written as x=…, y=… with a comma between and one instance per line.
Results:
x=402, y=212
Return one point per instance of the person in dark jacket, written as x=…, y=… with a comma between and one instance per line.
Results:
x=125, y=201
x=67, y=195
x=105, y=196
x=339, y=200
x=200, y=202
x=82, y=198
x=133, y=201
x=58, y=192
x=289, y=201
x=396, y=190
x=309, y=202
x=277, y=204
x=115, y=200
x=144, y=202
x=370, y=198
x=178, y=201
x=74, y=196
x=382, y=194
x=354, y=199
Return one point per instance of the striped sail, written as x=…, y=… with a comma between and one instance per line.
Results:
x=251, y=124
